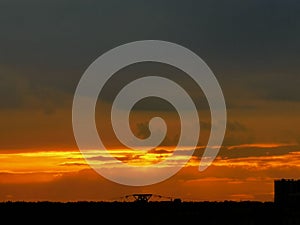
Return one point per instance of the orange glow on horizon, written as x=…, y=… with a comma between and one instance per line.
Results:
x=45, y=166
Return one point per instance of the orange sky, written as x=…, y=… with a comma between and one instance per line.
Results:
x=50, y=166
x=40, y=160
x=64, y=176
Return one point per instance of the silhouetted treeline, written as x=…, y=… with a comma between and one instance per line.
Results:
x=208, y=213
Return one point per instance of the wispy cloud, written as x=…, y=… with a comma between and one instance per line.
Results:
x=291, y=159
x=261, y=145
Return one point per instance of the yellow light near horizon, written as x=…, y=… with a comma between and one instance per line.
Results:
x=68, y=161
x=44, y=161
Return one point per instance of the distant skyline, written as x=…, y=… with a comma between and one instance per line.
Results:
x=251, y=46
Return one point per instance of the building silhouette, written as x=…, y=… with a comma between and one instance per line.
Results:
x=287, y=192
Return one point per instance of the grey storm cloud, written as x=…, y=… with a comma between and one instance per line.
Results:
x=253, y=45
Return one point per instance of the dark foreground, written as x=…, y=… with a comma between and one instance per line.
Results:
x=207, y=213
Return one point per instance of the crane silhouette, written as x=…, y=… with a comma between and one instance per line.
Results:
x=145, y=197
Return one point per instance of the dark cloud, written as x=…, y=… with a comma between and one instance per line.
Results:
x=239, y=152
x=252, y=44
x=143, y=69
x=252, y=151
x=232, y=126
x=18, y=92
x=160, y=151
x=100, y=158
x=235, y=126
x=72, y=164
x=143, y=130
x=129, y=158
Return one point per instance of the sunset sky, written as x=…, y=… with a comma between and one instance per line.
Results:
x=251, y=46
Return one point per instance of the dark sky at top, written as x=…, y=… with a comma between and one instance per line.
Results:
x=251, y=44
